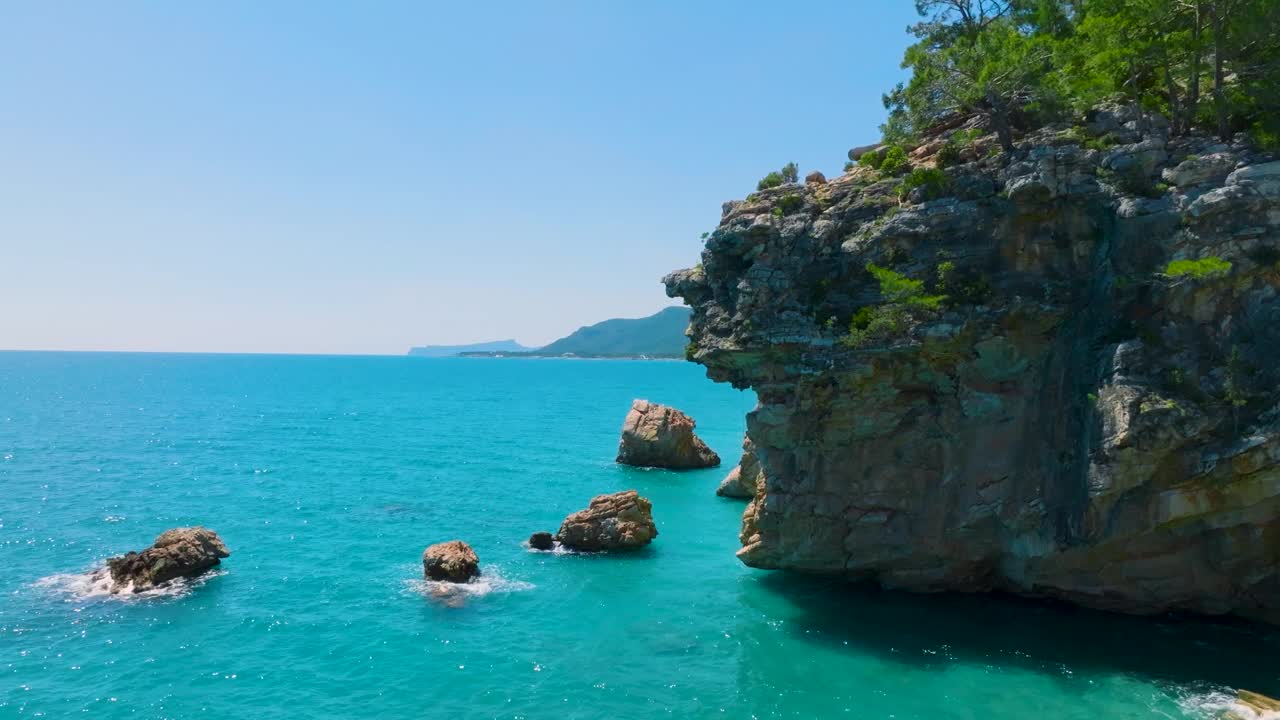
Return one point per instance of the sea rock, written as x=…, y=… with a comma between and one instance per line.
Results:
x=542, y=541
x=655, y=435
x=1253, y=706
x=453, y=561
x=744, y=477
x=621, y=521
x=180, y=552
x=1069, y=422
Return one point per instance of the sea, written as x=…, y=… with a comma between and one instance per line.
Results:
x=328, y=476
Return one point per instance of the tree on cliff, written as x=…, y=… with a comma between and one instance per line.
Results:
x=1168, y=54
x=1212, y=65
x=971, y=56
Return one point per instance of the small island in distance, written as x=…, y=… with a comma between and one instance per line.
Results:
x=658, y=336
x=497, y=346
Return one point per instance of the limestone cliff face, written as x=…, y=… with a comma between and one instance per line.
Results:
x=1076, y=419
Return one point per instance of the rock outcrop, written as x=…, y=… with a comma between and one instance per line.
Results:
x=621, y=521
x=744, y=477
x=453, y=561
x=658, y=436
x=542, y=541
x=1052, y=375
x=1253, y=706
x=177, y=553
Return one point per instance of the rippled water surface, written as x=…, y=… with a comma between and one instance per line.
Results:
x=327, y=477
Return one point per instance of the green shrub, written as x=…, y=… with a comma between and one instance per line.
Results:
x=1131, y=182
x=961, y=286
x=1087, y=141
x=896, y=256
x=964, y=138
x=790, y=203
x=949, y=155
x=946, y=274
x=898, y=288
x=871, y=159
x=1206, y=268
x=904, y=299
x=933, y=180
x=1235, y=387
x=789, y=173
x=772, y=180
x=876, y=322
x=894, y=161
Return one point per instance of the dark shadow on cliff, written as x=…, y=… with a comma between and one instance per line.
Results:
x=936, y=631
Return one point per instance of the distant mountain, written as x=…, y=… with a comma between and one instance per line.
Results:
x=660, y=335
x=497, y=346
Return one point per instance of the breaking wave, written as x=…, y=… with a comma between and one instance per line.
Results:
x=97, y=584
x=556, y=549
x=1219, y=703
x=490, y=581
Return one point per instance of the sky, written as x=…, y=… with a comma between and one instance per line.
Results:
x=338, y=177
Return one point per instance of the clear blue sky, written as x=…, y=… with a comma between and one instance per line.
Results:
x=341, y=177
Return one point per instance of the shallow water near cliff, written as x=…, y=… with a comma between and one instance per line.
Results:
x=327, y=476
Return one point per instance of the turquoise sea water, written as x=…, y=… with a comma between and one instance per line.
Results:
x=328, y=476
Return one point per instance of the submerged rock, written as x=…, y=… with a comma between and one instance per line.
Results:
x=453, y=561
x=542, y=541
x=181, y=552
x=744, y=477
x=1052, y=375
x=658, y=436
x=621, y=521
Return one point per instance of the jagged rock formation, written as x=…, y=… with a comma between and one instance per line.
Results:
x=1079, y=416
x=453, y=561
x=180, y=552
x=743, y=479
x=621, y=521
x=658, y=436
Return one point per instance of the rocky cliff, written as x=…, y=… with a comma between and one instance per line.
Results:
x=1052, y=374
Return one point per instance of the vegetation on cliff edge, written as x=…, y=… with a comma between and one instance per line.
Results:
x=1211, y=65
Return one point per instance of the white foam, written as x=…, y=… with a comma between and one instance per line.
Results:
x=97, y=584
x=490, y=581
x=556, y=549
x=1217, y=704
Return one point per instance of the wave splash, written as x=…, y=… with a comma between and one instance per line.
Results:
x=1220, y=704
x=490, y=581
x=556, y=549
x=97, y=584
